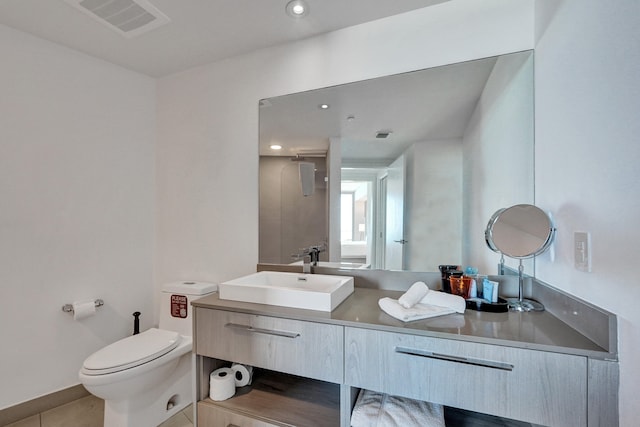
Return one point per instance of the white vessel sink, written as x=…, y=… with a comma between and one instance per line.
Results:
x=309, y=291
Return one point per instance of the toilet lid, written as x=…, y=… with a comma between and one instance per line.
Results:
x=131, y=351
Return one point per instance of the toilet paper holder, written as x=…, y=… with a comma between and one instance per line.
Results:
x=68, y=308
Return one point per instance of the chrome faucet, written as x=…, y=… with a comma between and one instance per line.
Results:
x=306, y=264
x=314, y=252
x=310, y=257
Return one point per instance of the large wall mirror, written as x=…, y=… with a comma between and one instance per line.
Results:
x=398, y=172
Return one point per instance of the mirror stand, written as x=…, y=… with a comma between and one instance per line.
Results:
x=521, y=231
x=520, y=303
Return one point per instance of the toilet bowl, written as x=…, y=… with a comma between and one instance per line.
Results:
x=146, y=378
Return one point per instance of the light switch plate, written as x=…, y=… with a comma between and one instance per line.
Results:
x=582, y=251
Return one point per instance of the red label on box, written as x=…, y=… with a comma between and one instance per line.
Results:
x=179, y=306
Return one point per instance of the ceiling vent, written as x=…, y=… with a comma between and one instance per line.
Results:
x=383, y=134
x=127, y=17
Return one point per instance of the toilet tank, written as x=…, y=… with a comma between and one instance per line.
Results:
x=175, y=305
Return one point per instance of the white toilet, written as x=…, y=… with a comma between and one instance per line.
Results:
x=146, y=378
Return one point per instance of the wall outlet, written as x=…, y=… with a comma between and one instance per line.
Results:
x=582, y=251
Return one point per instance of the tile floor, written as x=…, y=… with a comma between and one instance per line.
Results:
x=89, y=412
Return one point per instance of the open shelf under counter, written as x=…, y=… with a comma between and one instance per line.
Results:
x=276, y=399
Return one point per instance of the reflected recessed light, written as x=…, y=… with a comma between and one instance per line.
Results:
x=323, y=106
x=276, y=147
x=297, y=9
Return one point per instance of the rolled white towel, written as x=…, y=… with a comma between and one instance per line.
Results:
x=416, y=292
x=417, y=312
x=443, y=299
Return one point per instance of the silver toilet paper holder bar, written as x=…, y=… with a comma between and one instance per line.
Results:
x=68, y=308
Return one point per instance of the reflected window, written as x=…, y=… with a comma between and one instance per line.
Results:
x=346, y=217
x=356, y=221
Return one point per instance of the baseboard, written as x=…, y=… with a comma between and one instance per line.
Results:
x=41, y=404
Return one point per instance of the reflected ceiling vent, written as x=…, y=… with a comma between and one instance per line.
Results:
x=383, y=134
x=127, y=17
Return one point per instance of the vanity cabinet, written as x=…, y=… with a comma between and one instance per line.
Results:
x=301, y=369
x=534, y=386
x=310, y=368
x=312, y=350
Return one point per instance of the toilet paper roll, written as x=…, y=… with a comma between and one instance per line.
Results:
x=242, y=373
x=83, y=309
x=222, y=384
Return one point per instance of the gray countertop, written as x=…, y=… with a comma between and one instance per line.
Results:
x=533, y=330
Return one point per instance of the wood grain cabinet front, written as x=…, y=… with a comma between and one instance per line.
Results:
x=215, y=416
x=308, y=349
x=534, y=386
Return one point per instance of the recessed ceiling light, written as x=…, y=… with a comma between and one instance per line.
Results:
x=276, y=147
x=297, y=8
x=323, y=106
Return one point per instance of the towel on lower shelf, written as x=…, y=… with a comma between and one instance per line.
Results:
x=374, y=409
x=417, y=312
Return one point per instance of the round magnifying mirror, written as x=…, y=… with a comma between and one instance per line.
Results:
x=521, y=231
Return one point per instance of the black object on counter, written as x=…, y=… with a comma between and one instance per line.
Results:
x=446, y=272
x=136, y=323
x=479, y=304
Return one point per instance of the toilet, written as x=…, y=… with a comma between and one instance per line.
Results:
x=146, y=378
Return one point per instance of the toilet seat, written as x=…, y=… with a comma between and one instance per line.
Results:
x=131, y=352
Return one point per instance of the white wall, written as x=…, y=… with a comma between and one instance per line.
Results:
x=587, y=70
x=498, y=149
x=76, y=217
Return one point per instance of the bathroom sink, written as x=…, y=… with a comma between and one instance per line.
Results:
x=309, y=291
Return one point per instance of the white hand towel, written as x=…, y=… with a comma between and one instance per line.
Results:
x=443, y=299
x=417, y=312
x=376, y=409
x=416, y=292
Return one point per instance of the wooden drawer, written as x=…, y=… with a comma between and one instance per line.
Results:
x=307, y=349
x=214, y=416
x=533, y=386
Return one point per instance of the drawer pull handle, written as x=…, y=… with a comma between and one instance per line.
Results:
x=459, y=359
x=263, y=331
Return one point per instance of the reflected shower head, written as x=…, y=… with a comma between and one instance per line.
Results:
x=307, y=172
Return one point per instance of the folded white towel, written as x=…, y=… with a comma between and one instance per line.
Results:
x=374, y=409
x=417, y=312
x=416, y=292
x=443, y=299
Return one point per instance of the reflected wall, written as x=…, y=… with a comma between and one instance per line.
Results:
x=290, y=221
